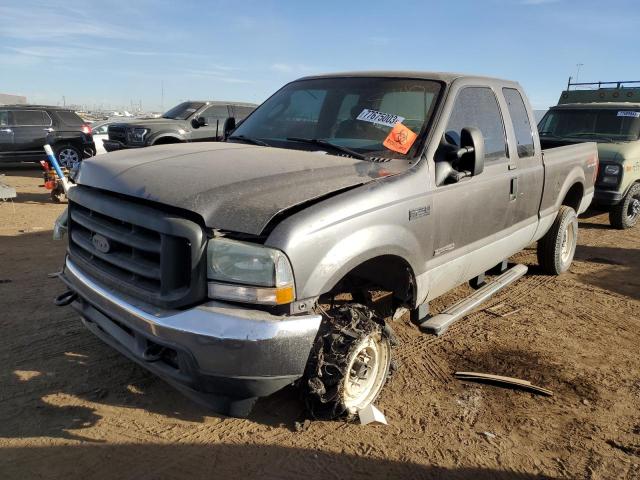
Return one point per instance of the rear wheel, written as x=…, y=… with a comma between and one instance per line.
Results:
x=68, y=156
x=349, y=364
x=627, y=213
x=557, y=248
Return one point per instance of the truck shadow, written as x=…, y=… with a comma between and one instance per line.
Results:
x=195, y=461
x=621, y=269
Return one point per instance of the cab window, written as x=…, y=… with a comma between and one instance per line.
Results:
x=216, y=115
x=478, y=107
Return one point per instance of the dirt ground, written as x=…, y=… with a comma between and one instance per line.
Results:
x=70, y=407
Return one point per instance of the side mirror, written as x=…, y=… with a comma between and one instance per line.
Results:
x=199, y=122
x=228, y=127
x=471, y=151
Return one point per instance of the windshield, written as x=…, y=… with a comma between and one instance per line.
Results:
x=183, y=111
x=378, y=117
x=615, y=124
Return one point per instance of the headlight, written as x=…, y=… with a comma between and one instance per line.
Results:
x=137, y=134
x=244, y=272
x=612, y=170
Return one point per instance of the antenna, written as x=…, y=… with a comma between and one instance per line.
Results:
x=578, y=67
x=162, y=95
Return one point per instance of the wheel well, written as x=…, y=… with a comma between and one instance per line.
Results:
x=166, y=140
x=390, y=273
x=574, y=196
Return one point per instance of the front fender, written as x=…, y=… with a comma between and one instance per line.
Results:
x=154, y=137
x=355, y=249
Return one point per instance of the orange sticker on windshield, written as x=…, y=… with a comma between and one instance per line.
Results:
x=400, y=139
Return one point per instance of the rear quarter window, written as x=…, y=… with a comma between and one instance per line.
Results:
x=31, y=118
x=70, y=118
x=520, y=120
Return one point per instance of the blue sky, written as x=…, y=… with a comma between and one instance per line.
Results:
x=116, y=51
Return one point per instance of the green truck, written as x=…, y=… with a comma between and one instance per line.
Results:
x=609, y=114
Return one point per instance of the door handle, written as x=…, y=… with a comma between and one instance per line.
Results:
x=513, y=194
x=48, y=129
x=6, y=130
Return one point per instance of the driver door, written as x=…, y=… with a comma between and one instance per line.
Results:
x=6, y=134
x=472, y=213
x=215, y=116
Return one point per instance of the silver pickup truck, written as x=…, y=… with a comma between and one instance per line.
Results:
x=235, y=269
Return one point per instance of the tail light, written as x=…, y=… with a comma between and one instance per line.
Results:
x=86, y=129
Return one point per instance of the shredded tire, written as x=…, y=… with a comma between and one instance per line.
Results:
x=340, y=332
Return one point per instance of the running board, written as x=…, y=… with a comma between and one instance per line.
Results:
x=438, y=324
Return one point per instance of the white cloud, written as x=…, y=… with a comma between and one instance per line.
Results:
x=297, y=68
x=46, y=24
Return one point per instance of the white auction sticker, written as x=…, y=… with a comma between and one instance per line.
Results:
x=379, y=118
x=629, y=113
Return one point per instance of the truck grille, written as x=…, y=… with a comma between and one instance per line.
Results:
x=118, y=133
x=136, y=249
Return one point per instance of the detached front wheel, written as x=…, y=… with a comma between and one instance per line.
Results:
x=557, y=248
x=627, y=213
x=349, y=364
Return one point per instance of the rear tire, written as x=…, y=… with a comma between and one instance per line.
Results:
x=627, y=213
x=68, y=156
x=557, y=248
x=349, y=364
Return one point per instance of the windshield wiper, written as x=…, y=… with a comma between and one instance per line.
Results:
x=593, y=135
x=549, y=134
x=324, y=143
x=253, y=141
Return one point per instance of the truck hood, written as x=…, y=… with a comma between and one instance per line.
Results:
x=619, y=152
x=233, y=187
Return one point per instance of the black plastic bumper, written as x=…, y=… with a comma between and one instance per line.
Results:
x=113, y=145
x=607, y=197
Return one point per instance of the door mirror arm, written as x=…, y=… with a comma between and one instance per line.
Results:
x=471, y=151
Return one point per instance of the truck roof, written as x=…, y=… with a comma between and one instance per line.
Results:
x=620, y=92
x=224, y=102
x=22, y=106
x=447, y=77
x=598, y=105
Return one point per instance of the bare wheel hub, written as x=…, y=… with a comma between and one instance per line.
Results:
x=366, y=372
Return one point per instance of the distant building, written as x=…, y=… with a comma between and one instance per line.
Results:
x=6, y=99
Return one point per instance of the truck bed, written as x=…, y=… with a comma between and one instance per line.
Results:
x=563, y=166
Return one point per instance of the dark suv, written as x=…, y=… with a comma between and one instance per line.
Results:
x=24, y=129
x=190, y=121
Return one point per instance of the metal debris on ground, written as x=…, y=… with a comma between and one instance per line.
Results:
x=7, y=192
x=502, y=310
x=370, y=414
x=498, y=379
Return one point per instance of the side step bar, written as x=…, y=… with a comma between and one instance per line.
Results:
x=438, y=324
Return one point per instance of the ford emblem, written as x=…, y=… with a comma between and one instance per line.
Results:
x=101, y=243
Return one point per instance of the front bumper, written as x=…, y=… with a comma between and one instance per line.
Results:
x=114, y=145
x=218, y=354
